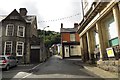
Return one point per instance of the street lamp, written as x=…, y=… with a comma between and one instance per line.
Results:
x=44, y=33
x=44, y=51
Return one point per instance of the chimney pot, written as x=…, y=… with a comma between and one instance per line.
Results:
x=23, y=11
x=61, y=25
x=75, y=25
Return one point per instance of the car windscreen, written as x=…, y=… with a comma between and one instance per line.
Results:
x=2, y=58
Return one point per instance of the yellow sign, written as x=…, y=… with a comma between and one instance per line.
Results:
x=110, y=52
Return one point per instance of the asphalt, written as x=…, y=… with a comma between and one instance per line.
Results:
x=56, y=67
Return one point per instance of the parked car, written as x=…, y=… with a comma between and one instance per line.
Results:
x=7, y=61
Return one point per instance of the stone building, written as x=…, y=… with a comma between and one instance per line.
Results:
x=99, y=32
x=17, y=32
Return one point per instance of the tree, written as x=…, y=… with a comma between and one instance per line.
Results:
x=51, y=37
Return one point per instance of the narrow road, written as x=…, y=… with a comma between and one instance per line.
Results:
x=62, y=69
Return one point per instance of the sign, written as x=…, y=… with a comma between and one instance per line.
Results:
x=110, y=52
x=35, y=47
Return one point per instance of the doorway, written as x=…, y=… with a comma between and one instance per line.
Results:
x=66, y=50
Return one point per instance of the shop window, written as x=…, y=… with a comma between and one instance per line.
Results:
x=112, y=32
x=96, y=40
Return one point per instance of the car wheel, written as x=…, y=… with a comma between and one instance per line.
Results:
x=7, y=67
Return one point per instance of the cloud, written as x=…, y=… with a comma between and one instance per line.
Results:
x=46, y=10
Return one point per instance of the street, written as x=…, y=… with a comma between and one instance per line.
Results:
x=53, y=68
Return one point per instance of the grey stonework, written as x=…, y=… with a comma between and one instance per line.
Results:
x=19, y=19
x=110, y=65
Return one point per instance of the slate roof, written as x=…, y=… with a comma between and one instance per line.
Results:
x=2, y=17
x=68, y=29
x=28, y=18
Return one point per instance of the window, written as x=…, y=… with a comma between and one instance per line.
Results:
x=20, y=48
x=9, y=30
x=96, y=40
x=8, y=48
x=21, y=31
x=35, y=26
x=72, y=37
x=113, y=34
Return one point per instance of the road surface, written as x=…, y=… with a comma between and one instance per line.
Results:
x=56, y=68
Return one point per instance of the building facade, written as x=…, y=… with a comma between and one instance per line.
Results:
x=17, y=32
x=70, y=41
x=99, y=33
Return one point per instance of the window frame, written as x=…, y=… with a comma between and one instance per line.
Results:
x=5, y=47
x=7, y=30
x=19, y=30
x=17, y=54
x=71, y=37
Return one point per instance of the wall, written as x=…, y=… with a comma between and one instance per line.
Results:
x=65, y=37
x=75, y=50
x=77, y=38
x=109, y=64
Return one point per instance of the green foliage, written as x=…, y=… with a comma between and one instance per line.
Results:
x=51, y=37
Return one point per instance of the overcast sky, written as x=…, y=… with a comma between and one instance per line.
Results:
x=49, y=12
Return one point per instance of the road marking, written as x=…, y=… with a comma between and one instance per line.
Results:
x=36, y=66
x=32, y=72
x=26, y=76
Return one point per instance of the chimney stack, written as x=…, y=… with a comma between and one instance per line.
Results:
x=75, y=25
x=23, y=11
x=61, y=25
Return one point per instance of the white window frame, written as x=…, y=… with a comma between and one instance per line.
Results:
x=72, y=37
x=5, y=47
x=7, y=29
x=17, y=48
x=23, y=31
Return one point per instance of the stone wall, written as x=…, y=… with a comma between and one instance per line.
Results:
x=109, y=65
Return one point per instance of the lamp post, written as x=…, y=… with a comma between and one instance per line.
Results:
x=44, y=50
x=44, y=33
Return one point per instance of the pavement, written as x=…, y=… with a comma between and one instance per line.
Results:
x=98, y=71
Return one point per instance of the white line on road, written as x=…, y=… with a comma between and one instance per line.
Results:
x=30, y=73
x=36, y=66
x=26, y=76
